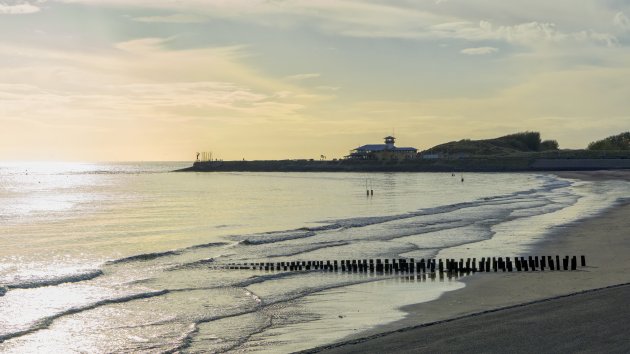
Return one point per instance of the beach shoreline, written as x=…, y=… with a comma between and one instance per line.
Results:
x=601, y=238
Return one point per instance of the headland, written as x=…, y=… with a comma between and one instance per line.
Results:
x=527, y=163
x=520, y=152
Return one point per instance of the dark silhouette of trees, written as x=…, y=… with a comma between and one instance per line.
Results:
x=549, y=145
x=615, y=142
x=525, y=141
x=508, y=144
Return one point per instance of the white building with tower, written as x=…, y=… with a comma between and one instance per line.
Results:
x=387, y=151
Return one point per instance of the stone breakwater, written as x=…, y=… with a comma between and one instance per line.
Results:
x=486, y=164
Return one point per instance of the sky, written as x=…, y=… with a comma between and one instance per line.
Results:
x=140, y=80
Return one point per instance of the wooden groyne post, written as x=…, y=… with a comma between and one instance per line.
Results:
x=431, y=267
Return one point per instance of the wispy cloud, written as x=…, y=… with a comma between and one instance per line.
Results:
x=559, y=63
x=136, y=86
x=475, y=20
x=539, y=103
x=328, y=88
x=141, y=72
x=621, y=21
x=303, y=76
x=479, y=50
x=529, y=33
x=18, y=7
x=174, y=18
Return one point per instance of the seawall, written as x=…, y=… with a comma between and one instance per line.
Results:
x=506, y=164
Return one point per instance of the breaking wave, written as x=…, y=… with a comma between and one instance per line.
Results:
x=38, y=283
x=155, y=255
x=145, y=257
x=47, y=321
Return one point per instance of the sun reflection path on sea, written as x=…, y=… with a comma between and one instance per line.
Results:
x=24, y=309
x=44, y=190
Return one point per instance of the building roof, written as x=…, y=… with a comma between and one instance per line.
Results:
x=381, y=147
x=372, y=147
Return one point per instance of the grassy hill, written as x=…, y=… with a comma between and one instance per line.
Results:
x=505, y=145
x=515, y=152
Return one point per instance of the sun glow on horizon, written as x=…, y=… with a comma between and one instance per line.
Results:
x=160, y=80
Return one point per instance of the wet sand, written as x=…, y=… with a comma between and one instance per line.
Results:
x=590, y=321
x=501, y=304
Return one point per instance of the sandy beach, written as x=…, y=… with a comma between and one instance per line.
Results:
x=519, y=312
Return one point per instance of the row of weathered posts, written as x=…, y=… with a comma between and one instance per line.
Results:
x=410, y=266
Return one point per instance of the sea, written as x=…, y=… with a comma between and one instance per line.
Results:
x=131, y=257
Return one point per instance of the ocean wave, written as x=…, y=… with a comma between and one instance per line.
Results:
x=622, y=201
x=511, y=201
x=112, y=172
x=267, y=277
x=194, y=264
x=38, y=283
x=310, y=248
x=187, y=339
x=549, y=184
x=271, y=237
x=207, y=245
x=155, y=255
x=344, y=224
x=47, y=321
x=145, y=257
x=327, y=227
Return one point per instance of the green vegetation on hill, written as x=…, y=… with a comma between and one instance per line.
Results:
x=615, y=142
x=515, y=152
x=505, y=145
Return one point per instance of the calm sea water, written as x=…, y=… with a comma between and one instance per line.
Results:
x=121, y=257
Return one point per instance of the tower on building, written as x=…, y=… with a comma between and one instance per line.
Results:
x=389, y=142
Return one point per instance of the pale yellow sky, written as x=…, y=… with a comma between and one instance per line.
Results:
x=160, y=80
